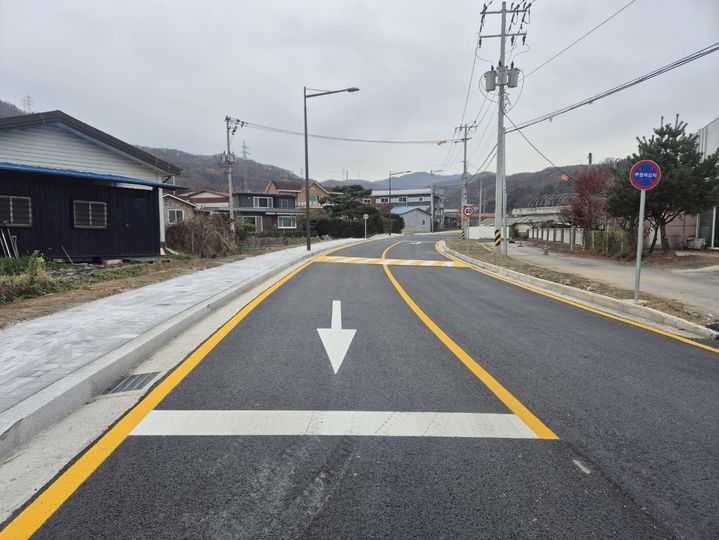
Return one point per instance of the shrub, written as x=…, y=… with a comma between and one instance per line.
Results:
x=33, y=281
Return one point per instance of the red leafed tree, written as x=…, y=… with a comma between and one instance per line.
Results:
x=589, y=208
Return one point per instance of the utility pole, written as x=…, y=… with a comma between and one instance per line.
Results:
x=481, y=199
x=463, y=197
x=228, y=158
x=590, y=159
x=431, y=197
x=503, y=77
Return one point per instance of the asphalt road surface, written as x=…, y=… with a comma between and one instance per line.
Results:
x=464, y=407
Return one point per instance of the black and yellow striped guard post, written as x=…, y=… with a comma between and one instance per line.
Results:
x=497, y=237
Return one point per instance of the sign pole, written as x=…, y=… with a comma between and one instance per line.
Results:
x=640, y=243
x=644, y=175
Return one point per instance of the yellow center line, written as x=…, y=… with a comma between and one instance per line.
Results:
x=581, y=306
x=512, y=403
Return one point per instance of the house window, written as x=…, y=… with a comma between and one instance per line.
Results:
x=286, y=222
x=255, y=221
x=384, y=199
x=402, y=199
x=314, y=200
x=15, y=211
x=367, y=201
x=284, y=203
x=423, y=222
x=175, y=216
x=90, y=214
x=420, y=199
x=262, y=202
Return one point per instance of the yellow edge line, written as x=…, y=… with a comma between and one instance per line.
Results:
x=47, y=503
x=512, y=403
x=581, y=306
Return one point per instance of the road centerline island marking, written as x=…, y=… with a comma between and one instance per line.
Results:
x=332, y=423
x=511, y=402
x=336, y=340
x=392, y=262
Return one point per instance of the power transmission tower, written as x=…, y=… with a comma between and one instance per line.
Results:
x=463, y=197
x=245, y=179
x=503, y=77
x=27, y=104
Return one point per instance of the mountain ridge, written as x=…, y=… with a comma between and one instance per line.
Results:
x=205, y=172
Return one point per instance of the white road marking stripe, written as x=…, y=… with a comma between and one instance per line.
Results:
x=448, y=264
x=427, y=263
x=581, y=467
x=407, y=262
x=333, y=423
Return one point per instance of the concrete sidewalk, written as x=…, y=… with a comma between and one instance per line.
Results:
x=698, y=288
x=52, y=364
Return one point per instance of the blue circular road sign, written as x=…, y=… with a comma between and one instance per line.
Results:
x=645, y=174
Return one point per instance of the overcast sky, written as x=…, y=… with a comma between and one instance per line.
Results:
x=165, y=74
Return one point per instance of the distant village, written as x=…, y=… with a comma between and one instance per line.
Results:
x=71, y=191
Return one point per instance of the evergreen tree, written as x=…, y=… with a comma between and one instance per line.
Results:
x=688, y=185
x=344, y=198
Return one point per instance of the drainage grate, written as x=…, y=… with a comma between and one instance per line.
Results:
x=133, y=382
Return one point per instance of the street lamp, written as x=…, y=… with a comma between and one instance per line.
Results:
x=391, y=174
x=307, y=165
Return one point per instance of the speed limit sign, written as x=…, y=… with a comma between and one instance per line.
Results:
x=468, y=210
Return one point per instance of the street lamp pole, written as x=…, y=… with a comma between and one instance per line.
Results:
x=307, y=164
x=389, y=217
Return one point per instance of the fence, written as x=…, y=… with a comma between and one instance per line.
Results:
x=603, y=242
x=573, y=236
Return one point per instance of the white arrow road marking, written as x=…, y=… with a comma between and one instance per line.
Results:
x=336, y=339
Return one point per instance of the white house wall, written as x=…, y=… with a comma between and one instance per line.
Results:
x=56, y=148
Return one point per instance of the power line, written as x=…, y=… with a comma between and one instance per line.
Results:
x=535, y=148
x=581, y=38
x=655, y=73
x=244, y=123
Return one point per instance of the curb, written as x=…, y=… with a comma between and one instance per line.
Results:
x=22, y=421
x=624, y=307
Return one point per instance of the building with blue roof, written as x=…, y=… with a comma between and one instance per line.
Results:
x=71, y=191
x=416, y=220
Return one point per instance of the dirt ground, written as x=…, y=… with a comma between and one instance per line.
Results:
x=159, y=270
x=477, y=251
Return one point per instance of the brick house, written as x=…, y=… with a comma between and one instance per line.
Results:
x=297, y=189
